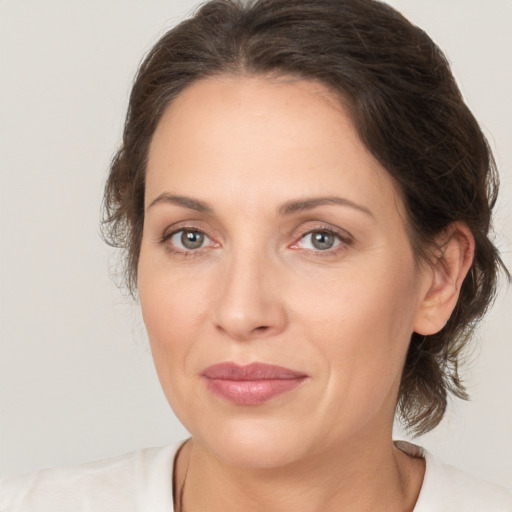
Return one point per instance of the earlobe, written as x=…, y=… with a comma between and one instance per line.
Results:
x=444, y=275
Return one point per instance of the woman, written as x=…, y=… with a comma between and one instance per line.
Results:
x=305, y=202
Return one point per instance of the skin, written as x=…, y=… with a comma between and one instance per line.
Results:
x=257, y=289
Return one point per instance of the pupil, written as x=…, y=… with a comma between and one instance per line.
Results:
x=322, y=240
x=192, y=239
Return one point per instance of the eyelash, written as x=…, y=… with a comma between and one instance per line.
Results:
x=344, y=240
x=164, y=240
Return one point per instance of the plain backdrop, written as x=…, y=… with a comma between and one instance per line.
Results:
x=76, y=377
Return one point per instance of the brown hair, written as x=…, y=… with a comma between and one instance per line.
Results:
x=408, y=112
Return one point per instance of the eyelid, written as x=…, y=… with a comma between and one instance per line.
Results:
x=342, y=234
x=174, y=229
x=344, y=241
x=190, y=225
x=344, y=237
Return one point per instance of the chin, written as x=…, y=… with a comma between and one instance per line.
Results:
x=256, y=444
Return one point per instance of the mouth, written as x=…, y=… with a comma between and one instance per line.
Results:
x=251, y=384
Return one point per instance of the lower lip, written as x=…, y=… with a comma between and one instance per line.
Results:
x=252, y=392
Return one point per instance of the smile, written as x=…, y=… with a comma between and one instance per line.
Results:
x=252, y=384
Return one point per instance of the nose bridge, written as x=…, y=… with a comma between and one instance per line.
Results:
x=248, y=304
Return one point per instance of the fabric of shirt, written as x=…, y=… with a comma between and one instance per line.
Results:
x=142, y=482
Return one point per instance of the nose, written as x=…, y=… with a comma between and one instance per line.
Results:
x=250, y=302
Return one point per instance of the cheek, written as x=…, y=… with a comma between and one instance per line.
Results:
x=361, y=324
x=174, y=312
x=172, y=299
x=168, y=312
x=174, y=316
x=360, y=303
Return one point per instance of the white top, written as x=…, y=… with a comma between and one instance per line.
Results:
x=141, y=481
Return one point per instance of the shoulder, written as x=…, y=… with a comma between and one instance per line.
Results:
x=446, y=488
x=143, y=477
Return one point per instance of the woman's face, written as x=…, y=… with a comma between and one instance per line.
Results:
x=273, y=236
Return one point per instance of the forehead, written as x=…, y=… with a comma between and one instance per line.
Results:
x=262, y=139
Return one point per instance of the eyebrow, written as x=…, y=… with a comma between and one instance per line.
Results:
x=288, y=208
x=300, y=205
x=186, y=202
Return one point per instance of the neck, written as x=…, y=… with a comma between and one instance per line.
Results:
x=365, y=477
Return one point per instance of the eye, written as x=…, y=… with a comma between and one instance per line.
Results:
x=188, y=239
x=320, y=240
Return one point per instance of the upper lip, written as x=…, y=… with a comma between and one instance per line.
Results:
x=253, y=371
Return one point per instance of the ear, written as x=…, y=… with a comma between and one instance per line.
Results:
x=443, y=277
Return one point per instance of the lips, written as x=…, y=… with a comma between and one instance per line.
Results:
x=251, y=384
